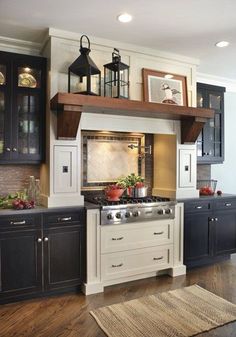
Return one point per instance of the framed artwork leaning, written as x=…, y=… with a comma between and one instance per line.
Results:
x=162, y=87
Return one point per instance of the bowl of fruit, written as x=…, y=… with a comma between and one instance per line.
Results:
x=114, y=192
x=207, y=187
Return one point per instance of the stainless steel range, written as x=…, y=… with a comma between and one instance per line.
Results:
x=133, y=210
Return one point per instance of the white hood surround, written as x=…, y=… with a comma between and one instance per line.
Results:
x=63, y=189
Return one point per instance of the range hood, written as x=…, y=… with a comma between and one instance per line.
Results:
x=70, y=106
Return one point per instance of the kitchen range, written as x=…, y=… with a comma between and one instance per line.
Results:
x=132, y=238
x=128, y=210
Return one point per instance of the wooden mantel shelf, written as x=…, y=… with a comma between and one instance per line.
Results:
x=70, y=107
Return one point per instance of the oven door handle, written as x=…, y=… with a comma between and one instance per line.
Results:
x=117, y=239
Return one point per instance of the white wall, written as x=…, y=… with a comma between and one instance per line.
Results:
x=226, y=173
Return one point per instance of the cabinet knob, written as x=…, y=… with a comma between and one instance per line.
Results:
x=212, y=219
x=216, y=219
x=45, y=239
x=8, y=149
x=14, y=149
x=39, y=240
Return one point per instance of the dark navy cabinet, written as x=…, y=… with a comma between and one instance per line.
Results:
x=209, y=230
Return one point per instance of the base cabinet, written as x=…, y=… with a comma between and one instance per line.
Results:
x=132, y=251
x=21, y=262
x=209, y=230
x=41, y=254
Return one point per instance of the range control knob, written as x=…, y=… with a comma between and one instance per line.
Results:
x=160, y=212
x=118, y=215
x=109, y=216
x=136, y=213
x=168, y=211
x=128, y=214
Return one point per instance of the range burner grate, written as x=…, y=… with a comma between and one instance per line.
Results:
x=126, y=200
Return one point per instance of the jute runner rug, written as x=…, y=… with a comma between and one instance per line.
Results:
x=178, y=313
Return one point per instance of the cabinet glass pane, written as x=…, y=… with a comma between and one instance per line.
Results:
x=199, y=149
x=217, y=149
x=28, y=124
x=214, y=101
x=199, y=100
x=29, y=78
x=2, y=121
x=2, y=74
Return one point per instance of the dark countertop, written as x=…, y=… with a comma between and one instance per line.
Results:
x=89, y=205
x=38, y=210
x=209, y=197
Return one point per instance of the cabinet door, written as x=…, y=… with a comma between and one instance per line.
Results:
x=28, y=109
x=225, y=232
x=5, y=108
x=197, y=238
x=210, y=143
x=21, y=263
x=63, y=256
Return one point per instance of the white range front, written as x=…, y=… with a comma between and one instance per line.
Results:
x=132, y=251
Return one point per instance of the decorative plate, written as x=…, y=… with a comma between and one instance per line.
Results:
x=2, y=78
x=27, y=80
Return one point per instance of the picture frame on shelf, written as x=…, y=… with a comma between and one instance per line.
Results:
x=163, y=87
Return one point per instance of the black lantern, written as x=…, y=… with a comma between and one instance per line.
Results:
x=83, y=74
x=116, y=77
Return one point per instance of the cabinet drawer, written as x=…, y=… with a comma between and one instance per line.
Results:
x=133, y=236
x=225, y=204
x=19, y=221
x=134, y=262
x=67, y=217
x=197, y=206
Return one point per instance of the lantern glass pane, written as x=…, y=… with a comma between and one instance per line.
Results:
x=76, y=86
x=95, y=84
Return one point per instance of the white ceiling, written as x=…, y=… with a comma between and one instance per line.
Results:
x=188, y=27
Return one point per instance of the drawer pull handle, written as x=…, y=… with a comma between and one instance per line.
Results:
x=117, y=265
x=158, y=258
x=117, y=239
x=18, y=222
x=228, y=204
x=64, y=219
x=158, y=233
x=198, y=207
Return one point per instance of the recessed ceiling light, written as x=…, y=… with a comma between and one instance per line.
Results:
x=124, y=17
x=222, y=44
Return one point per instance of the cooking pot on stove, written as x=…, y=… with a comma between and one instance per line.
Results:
x=136, y=192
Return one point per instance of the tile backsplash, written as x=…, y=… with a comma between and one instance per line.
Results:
x=144, y=166
x=15, y=178
x=204, y=172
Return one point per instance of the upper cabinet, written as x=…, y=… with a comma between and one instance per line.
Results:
x=210, y=143
x=22, y=108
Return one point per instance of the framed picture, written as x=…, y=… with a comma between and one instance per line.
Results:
x=161, y=87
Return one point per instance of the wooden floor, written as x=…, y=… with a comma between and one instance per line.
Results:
x=68, y=315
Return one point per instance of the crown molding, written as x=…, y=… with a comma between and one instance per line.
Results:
x=58, y=33
x=20, y=46
x=229, y=83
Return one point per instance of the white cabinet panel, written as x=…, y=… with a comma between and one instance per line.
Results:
x=133, y=236
x=65, y=165
x=187, y=168
x=137, y=261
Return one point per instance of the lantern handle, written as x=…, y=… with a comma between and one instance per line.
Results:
x=116, y=54
x=81, y=46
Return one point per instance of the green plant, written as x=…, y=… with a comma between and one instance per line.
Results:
x=130, y=180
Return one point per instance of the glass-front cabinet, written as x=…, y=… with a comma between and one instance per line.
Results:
x=22, y=108
x=210, y=143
